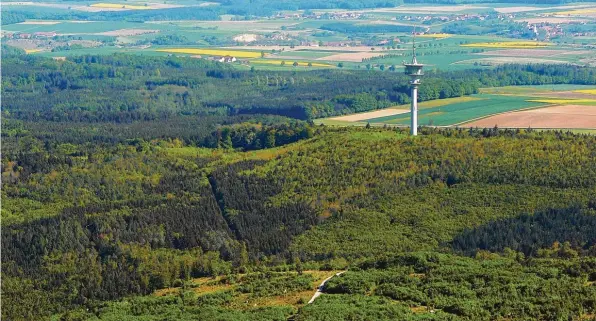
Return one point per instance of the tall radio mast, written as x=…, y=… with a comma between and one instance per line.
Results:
x=414, y=70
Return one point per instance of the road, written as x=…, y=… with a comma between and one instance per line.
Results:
x=322, y=286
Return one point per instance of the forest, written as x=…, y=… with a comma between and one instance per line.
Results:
x=85, y=224
x=89, y=89
x=135, y=188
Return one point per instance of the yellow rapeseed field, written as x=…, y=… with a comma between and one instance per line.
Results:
x=214, y=52
x=436, y=35
x=117, y=6
x=289, y=63
x=509, y=44
x=28, y=51
x=586, y=91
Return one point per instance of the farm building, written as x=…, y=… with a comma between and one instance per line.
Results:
x=44, y=34
x=227, y=59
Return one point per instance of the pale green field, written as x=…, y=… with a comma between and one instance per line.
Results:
x=491, y=101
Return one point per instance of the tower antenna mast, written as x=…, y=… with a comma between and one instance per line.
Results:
x=414, y=70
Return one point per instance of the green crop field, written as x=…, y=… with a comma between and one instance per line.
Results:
x=458, y=112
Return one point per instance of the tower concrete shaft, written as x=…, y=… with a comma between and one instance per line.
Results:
x=414, y=70
x=414, y=110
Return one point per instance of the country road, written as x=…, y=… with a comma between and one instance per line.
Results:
x=320, y=288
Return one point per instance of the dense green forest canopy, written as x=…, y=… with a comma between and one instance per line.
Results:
x=85, y=223
x=123, y=175
x=126, y=88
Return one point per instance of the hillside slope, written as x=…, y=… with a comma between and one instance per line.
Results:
x=128, y=220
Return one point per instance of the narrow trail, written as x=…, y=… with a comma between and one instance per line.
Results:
x=322, y=286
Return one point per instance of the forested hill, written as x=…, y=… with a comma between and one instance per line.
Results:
x=125, y=88
x=84, y=224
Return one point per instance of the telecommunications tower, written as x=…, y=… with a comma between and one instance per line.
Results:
x=414, y=70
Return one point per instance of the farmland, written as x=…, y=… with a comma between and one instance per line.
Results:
x=502, y=102
x=455, y=37
x=213, y=52
x=561, y=116
x=508, y=44
x=144, y=180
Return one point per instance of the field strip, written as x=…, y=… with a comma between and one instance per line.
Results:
x=371, y=114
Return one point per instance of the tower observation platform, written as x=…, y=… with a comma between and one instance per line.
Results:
x=414, y=70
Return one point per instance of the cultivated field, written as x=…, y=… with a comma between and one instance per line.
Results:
x=352, y=56
x=533, y=52
x=213, y=52
x=564, y=116
x=511, y=60
x=371, y=114
x=289, y=35
x=289, y=63
x=552, y=20
x=537, y=8
x=127, y=32
x=552, y=106
x=508, y=44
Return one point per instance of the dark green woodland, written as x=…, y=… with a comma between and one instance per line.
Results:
x=124, y=175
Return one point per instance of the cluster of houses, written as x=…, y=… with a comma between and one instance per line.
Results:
x=323, y=16
x=550, y=30
x=461, y=17
x=35, y=35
